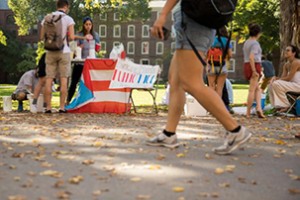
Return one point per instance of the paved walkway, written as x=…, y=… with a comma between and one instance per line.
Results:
x=90, y=156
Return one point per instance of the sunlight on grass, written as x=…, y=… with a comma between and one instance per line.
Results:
x=141, y=98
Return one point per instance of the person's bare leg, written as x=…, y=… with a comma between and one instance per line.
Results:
x=48, y=91
x=177, y=97
x=211, y=82
x=63, y=92
x=190, y=73
x=38, y=88
x=220, y=84
x=251, y=94
x=259, y=111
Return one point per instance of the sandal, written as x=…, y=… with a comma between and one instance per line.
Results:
x=260, y=114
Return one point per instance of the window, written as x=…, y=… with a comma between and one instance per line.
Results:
x=130, y=48
x=233, y=44
x=145, y=47
x=102, y=30
x=144, y=61
x=173, y=32
x=116, y=43
x=231, y=65
x=103, y=16
x=131, y=31
x=159, y=48
x=10, y=20
x=145, y=31
x=103, y=46
x=116, y=16
x=117, y=31
x=173, y=47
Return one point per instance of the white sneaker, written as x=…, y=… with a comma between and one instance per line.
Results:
x=33, y=108
x=164, y=141
x=233, y=141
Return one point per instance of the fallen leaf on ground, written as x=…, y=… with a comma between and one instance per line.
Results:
x=51, y=173
x=294, y=191
x=135, y=179
x=178, y=189
x=76, y=179
x=219, y=171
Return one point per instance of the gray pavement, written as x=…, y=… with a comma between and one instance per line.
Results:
x=102, y=156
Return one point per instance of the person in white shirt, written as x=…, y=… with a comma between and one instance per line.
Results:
x=26, y=85
x=59, y=62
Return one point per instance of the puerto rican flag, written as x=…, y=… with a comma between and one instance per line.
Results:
x=94, y=95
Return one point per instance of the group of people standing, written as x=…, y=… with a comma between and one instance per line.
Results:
x=56, y=65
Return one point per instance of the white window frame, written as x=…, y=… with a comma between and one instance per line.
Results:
x=116, y=43
x=117, y=27
x=145, y=31
x=232, y=65
x=128, y=31
x=145, y=59
x=103, y=46
x=103, y=16
x=116, y=16
x=105, y=28
x=233, y=44
x=173, y=47
x=142, y=48
x=128, y=48
x=157, y=48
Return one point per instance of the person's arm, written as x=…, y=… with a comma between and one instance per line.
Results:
x=156, y=29
x=252, y=64
x=289, y=76
x=71, y=32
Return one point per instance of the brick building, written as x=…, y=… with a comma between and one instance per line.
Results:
x=142, y=48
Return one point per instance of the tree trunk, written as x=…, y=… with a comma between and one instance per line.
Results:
x=289, y=26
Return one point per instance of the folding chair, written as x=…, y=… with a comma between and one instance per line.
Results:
x=151, y=91
x=292, y=97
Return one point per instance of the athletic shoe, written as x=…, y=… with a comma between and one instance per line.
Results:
x=48, y=111
x=33, y=108
x=233, y=141
x=164, y=141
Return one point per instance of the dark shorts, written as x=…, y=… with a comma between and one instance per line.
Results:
x=248, y=70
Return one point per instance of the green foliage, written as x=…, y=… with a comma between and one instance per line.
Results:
x=29, y=12
x=15, y=57
x=263, y=12
x=2, y=38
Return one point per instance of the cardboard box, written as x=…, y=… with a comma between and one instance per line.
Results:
x=193, y=108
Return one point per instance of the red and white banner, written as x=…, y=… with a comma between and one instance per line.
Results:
x=128, y=74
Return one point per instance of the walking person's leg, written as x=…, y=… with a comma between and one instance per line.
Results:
x=191, y=81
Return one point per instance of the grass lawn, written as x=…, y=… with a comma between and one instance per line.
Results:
x=240, y=92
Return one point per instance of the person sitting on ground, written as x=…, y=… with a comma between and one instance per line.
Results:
x=288, y=82
x=25, y=86
x=268, y=73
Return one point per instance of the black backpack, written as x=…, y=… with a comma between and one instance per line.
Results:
x=210, y=13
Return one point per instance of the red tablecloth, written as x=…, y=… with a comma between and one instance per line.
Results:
x=94, y=95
